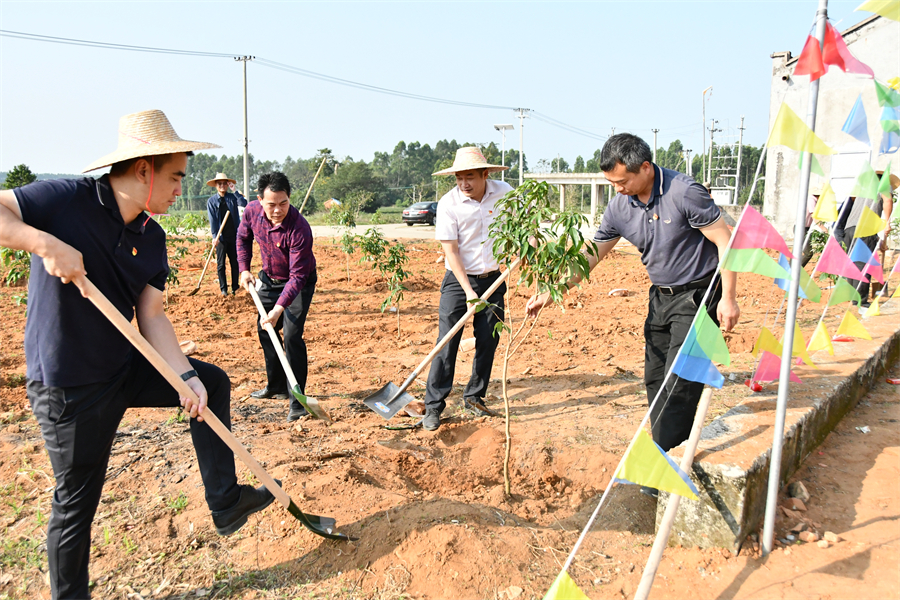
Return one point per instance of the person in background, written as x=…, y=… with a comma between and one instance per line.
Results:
x=226, y=200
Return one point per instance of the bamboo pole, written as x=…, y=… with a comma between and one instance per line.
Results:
x=324, y=158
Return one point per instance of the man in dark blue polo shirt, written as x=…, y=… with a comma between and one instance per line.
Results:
x=226, y=200
x=681, y=235
x=82, y=374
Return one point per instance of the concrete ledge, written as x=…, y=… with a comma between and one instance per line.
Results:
x=731, y=469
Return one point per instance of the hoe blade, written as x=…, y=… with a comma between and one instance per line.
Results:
x=386, y=402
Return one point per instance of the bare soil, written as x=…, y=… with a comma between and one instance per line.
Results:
x=429, y=508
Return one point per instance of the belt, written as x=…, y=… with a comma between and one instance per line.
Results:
x=486, y=275
x=671, y=290
x=274, y=280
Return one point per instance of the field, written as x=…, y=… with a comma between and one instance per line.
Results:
x=429, y=508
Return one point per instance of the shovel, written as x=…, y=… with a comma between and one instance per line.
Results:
x=211, y=250
x=310, y=404
x=322, y=526
x=390, y=399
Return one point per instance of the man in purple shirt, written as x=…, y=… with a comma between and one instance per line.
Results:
x=287, y=280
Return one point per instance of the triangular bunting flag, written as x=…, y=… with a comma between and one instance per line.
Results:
x=810, y=60
x=894, y=295
x=861, y=253
x=769, y=369
x=873, y=310
x=766, y=342
x=815, y=167
x=697, y=369
x=869, y=224
x=800, y=347
x=884, y=184
x=754, y=261
x=896, y=267
x=886, y=95
x=836, y=262
x=866, y=184
x=564, y=588
x=875, y=271
x=835, y=52
x=826, y=208
x=851, y=326
x=754, y=231
x=856, y=124
x=843, y=292
x=789, y=130
x=890, y=143
x=705, y=340
x=808, y=288
x=820, y=340
x=647, y=464
x=889, y=9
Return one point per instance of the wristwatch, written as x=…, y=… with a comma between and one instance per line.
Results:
x=189, y=374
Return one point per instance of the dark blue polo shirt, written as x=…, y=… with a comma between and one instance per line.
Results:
x=69, y=342
x=666, y=230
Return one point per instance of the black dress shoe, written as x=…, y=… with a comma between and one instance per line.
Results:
x=432, y=419
x=649, y=491
x=267, y=393
x=252, y=500
x=296, y=413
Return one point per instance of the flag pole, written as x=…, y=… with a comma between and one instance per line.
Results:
x=791, y=315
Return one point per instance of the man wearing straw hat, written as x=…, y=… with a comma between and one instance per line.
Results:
x=82, y=374
x=464, y=215
x=226, y=200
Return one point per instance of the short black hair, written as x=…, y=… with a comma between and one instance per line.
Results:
x=625, y=149
x=274, y=181
x=159, y=161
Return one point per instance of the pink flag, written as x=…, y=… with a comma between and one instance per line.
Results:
x=810, y=61
x=896, y=267
x=835, y=52
x=835, y=261
x=756, y=232
x=875, y=271
x=770, y=367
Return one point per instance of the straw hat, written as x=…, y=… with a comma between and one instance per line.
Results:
x=147, y=133
x=816, y=190
x=895, y=181
x=220, y=177
x=469, y=158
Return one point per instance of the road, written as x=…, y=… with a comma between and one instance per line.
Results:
x=390, y=231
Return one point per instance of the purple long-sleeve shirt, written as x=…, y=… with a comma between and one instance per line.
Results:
x=286, y=248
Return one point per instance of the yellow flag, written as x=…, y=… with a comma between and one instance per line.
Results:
x=889, y=9
x=869, y=224
x=826, y=208
x=820, y=340
x=873, y=310
x=851, y=326
x=564, y=589
x=800, y=347
x=766, y=341
x=894, y=296
x=647, y=464
x=789, y=130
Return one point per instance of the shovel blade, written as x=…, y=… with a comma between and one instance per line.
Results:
x=321, y=526
x=386, y=402
x=311, y=405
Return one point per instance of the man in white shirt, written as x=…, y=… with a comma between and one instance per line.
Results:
x=463, y=217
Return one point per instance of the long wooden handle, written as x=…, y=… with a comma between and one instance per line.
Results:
x=274, y=337
x=215, y=241
x=665, y=526
x=90, y=291
x=312, y=184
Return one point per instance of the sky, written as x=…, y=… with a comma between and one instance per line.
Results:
x=598, y=66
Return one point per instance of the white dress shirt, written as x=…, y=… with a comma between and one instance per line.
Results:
x=466, y=221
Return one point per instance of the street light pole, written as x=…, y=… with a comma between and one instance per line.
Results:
x=503, y=129
x=245, y=59
x=655, y=131
x=703, y=133
x=522, y=112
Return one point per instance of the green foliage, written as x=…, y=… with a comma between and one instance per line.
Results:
x=179, y=503
x=17, y=264
x=373, y=246
x=19, y=176
x=391, y=268
x=181, y=229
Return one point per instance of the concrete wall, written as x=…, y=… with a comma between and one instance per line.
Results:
x=875, y=42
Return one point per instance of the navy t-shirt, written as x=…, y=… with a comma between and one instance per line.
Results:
x=68, y=341
x=666, y=230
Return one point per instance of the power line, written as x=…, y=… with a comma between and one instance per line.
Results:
x=109, y=46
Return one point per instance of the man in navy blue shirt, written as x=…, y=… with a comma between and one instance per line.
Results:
x=226, y=200
x=82, y=374
x=681, y=236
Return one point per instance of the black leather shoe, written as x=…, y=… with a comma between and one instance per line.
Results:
x=432, y=419
x=649, y=491
x=297, y=413
x=267, y=393
x=252, y=500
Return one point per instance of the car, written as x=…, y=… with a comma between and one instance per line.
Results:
x=420, y=212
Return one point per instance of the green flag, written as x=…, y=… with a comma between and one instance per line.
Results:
x=890, y=125
x=886, y=95
x=705, y=340
x=754, y=260
x=884, y=185
x=866, y=183
x=815, y=167
x=843, y=292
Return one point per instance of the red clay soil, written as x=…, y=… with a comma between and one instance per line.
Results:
x=429, y=508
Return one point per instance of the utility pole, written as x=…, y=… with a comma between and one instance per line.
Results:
x=557, y=162
x=655, y=131
x=712, y=130
x=522, y=112
x=737, y=177
x=503, y=129
x=687, y=158
x=245, y=59
x=703, y=132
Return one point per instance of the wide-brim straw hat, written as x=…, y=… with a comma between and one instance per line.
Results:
x=147, y=133
x=468, y=159
x=220, y=177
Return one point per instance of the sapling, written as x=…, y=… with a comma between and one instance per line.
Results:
x=551, y=249
x=391, y=268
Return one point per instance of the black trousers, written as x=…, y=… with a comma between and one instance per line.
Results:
x=452, y=307
x=79, y=424
x=668, y=321
x=872, y=243
x=227, y=249
x=292, y=321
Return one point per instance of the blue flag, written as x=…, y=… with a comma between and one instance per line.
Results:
x=861, y=253
x=697, y=369
x=890, y=143
x=856, y=123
